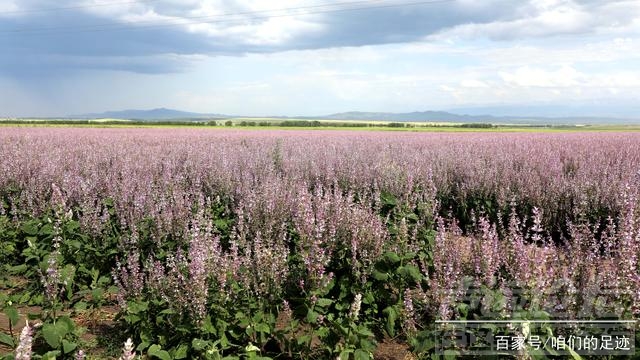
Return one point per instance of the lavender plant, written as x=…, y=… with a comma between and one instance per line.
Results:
x=206, y=234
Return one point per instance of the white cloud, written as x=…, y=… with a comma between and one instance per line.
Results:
x=527, y=76
x=244, y=22
x=8, y=6
x=543, y=18
x=473, y=83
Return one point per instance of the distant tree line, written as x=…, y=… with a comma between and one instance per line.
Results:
x=228, y=122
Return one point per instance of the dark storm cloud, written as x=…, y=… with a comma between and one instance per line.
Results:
x=404, y=24
x=58, y=41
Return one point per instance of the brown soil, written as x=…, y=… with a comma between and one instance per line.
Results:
x=393, y=350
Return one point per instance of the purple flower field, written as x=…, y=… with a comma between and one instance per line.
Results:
x=312, y=244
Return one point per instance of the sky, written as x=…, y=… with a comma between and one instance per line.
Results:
x=315, y=57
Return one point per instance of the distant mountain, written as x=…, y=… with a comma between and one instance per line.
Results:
x=153, y=114
x=444, y=116
x=608, y=110
x=468, y=115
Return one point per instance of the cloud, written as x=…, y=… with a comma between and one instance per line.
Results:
x=243, y=57
x=156, y=31
x=527, y=76
x=473, y=83
x=545, y=18
x=153, y=29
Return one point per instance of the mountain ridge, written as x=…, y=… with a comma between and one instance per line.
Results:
x=414, y=116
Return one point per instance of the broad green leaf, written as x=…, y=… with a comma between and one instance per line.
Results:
x=344, y=355
x=302, y=340
x=30, y=228
x=410, y=272
x=324, y=302
x=81, y=305
x=53, y=334
x=66, y=324
x=156, y=351
x=388, y=199
x=368, y=298
x=365, y=332
x=136, y=307
x=207, y=327
x=181, y=352
x=12, y=314
x=51, y=355
x=391, y=257
x=362, y=355
x=392, y=316
x=68, y=346
x=199, y=344
x=450, y=354
x=312, y=316
x=380, y=276
x=263, y=328
x=6, y=339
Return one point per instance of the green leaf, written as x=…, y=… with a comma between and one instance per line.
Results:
x=450, y=354
x=303, y=340
x=156, y=351
x=312, y=316
x=362, y=355
x=181, y=352
x=12, y=314
x=30, y=228
x=368, y=298
x=391, y=257
x=74, y=244
x=52, y=334
x=132, y=319
x=18, y=269
x=207, y=327
x=97, y=294
x=423, y=342
x=68, y=346
x=388, y=199
x=365, y=332
x=66, y=324
x=81, y=305
x=46, y=230
x=199, y=344
x=380, y=276
x=324, y=302
x=344, y=355
x=6, y=339
x=51, y=355
x=463, y=310
x=263, y=328
x=392, y=316
x=136, y=307
x=410, y=272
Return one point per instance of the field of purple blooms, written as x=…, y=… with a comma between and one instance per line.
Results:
x=236, y=244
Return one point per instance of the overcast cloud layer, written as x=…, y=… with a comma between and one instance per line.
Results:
x=313, y=57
